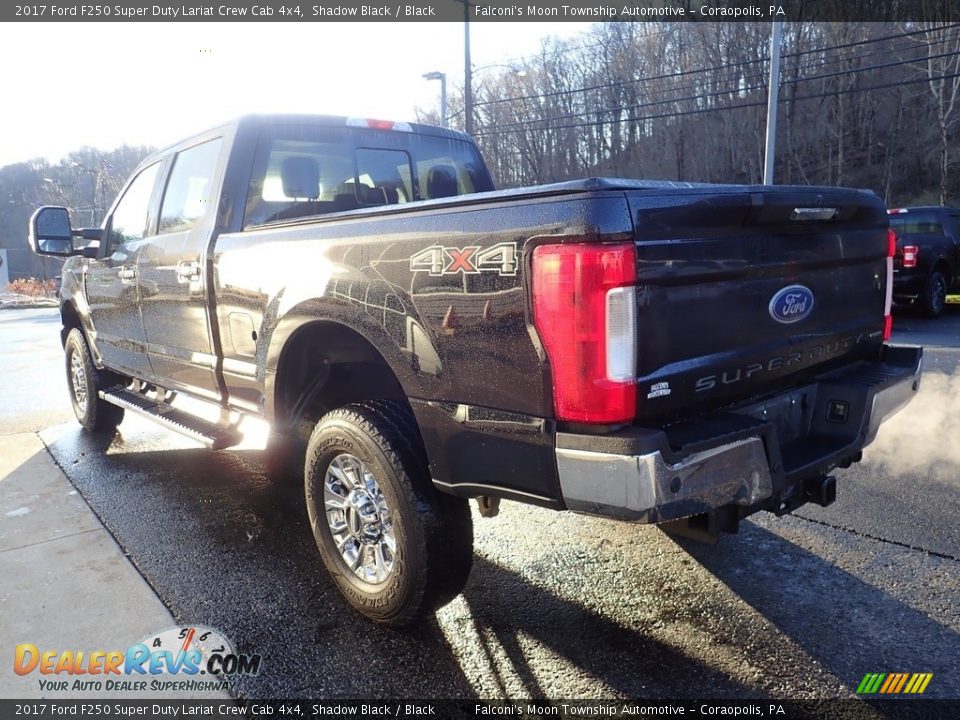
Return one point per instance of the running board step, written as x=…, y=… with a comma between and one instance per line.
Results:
x=208, y=433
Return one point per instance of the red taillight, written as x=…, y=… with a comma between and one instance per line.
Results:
x=888, y=300
x=584, y=309
x=910, y=255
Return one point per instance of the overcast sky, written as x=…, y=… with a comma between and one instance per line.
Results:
x=106, y=84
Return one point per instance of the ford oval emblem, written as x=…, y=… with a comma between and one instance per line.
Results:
x=791, y=304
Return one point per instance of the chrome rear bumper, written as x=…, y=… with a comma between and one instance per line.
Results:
x=660, y=483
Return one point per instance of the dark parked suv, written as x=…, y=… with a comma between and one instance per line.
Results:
x=926, y=263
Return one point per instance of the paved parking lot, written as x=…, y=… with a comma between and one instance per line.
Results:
x=558, y=605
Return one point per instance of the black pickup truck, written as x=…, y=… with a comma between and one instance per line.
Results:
x=927, y=263
x=654, y=352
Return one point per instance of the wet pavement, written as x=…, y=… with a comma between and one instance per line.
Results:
x=558, y=605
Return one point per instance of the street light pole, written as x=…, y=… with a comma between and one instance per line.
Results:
x=773, y=92
x=442, y=77
x=467, y=72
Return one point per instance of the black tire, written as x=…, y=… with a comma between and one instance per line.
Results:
x=934, y=297
x=432, y=532
x=85, y=381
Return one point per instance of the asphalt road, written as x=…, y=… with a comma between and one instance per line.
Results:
x=33, y=384
x=558, y=605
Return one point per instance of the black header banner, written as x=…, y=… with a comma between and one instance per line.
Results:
x=847, y=709
x=485, y=11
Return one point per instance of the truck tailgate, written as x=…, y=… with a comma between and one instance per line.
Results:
x=743, y=291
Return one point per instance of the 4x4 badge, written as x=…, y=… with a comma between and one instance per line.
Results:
x=471, y=260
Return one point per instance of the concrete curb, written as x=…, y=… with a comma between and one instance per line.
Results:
x=27, y=305
x=71, y=587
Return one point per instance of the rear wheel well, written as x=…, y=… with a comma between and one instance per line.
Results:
x=943, y=267
x=324, y=366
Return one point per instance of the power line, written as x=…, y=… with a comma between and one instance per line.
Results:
x=701, y=96
x=760, y=74
x=716, y=68
x=566, y=47
x=742, y=82
x=739, y=106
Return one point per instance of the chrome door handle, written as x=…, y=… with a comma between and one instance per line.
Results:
x=188, y=271
x=126, y=273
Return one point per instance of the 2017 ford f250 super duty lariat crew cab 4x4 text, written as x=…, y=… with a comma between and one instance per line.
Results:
x=647, y=351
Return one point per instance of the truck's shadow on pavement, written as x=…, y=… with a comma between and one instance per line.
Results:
x=849, y=626
x=225, y=545
x=508, y=612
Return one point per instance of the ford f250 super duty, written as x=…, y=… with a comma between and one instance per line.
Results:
x=654, y=352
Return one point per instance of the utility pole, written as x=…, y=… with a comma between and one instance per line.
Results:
x=467, y=72
x=773, y=91
x=95, y=179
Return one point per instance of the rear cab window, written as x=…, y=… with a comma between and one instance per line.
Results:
x=917, y=223
x=301, y=170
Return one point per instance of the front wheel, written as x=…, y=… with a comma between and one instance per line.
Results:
x=395, y=547
x=934, y=296
x=85, y=383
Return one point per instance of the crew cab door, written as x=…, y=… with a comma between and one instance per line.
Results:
x=111, y=279
x=173, y=274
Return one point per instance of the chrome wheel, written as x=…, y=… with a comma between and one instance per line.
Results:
x=359, y=519
x=78, y=382
x=396, y=549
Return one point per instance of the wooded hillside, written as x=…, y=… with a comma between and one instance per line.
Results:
x=86, y=181
x=864, y=104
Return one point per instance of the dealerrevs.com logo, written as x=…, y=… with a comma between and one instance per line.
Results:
x=186, y=659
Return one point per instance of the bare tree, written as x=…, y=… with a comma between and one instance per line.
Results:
x=942, y=70
x=871, y=105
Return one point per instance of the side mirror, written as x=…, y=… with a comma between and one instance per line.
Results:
x=50, y=232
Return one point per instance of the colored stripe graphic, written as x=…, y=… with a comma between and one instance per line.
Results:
x=901, y=682
x=870, y=683
x=894, y=683
x=862, y=687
